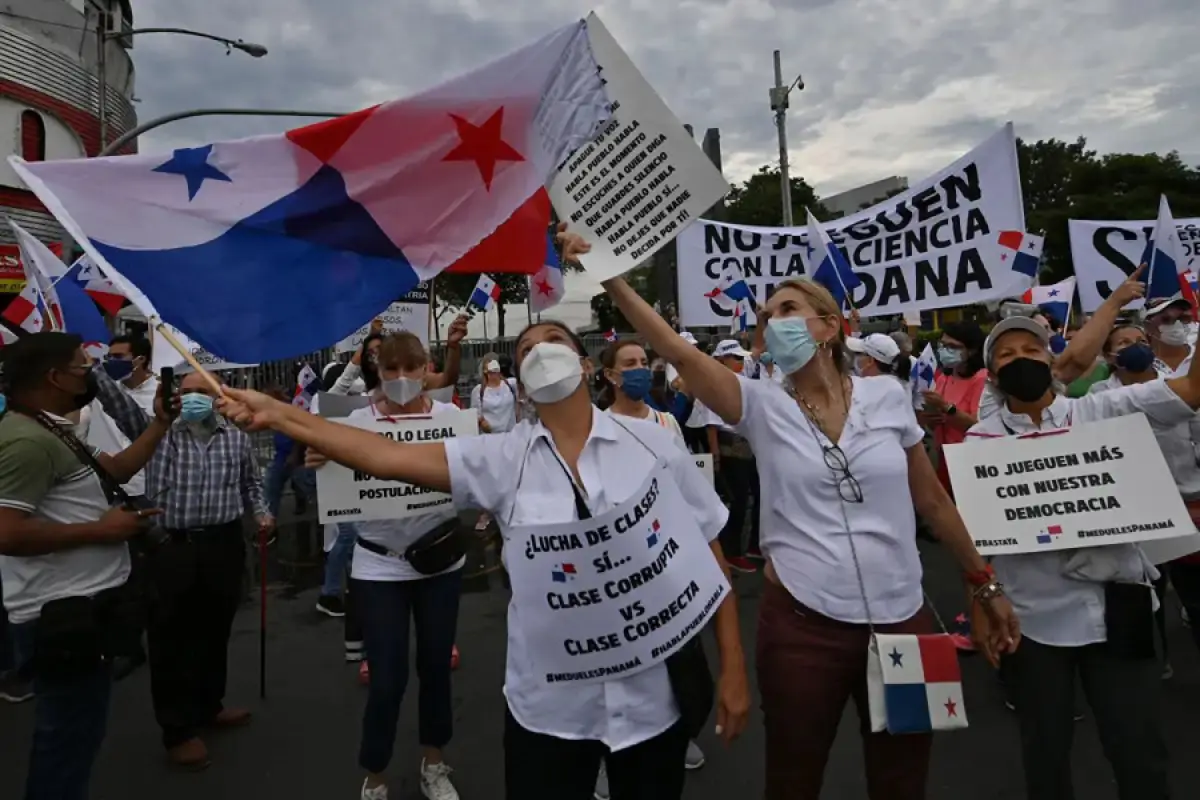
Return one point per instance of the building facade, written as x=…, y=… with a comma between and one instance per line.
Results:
x=54, y=57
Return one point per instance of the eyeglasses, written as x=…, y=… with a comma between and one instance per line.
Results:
x=847, y=485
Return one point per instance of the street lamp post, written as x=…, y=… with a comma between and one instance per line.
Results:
x=779, y=105
x=104, y=37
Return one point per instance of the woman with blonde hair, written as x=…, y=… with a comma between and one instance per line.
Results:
x=842, y=468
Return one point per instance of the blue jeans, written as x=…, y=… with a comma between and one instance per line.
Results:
x=277, y=477
x=337, y=562
x=386, y=608
x=70, y=719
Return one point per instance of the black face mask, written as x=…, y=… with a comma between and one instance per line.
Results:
x=90, y=390
x=1024, y=379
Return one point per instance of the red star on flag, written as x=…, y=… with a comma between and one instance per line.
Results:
x=483, y=144
x=951, y=708
x=545, y=288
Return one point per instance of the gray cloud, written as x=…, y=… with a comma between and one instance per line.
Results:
x=891, y=88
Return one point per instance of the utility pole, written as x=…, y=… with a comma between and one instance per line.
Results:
x=779, y=104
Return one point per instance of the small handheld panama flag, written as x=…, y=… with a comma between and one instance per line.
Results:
x=547, y=287
x=914, y=684
x=77, y=313
x=1021, y=251
x=308, y=383
x=731, y=290
x=743, y=317
x=923, y=371
x=611, y=335
x=37, y=307
x=1165, y=260
x=85, y=273
x=1055, y=299
x=827, y=265
x=486, y=293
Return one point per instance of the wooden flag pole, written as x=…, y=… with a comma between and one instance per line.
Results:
x=172, y=340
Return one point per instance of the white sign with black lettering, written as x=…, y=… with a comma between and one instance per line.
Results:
x=704, y=462
x=1093, y=484
x=611, y=596
x=346, y=495
x=638, y=184
x=409, y=313
x=1106, y=253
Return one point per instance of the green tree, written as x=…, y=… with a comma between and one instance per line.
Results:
x=757, y=201
x=608, y=316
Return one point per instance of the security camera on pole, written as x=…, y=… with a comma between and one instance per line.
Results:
x=779, y=104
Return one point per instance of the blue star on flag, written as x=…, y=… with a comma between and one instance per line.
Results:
x=896, y=656
x=192, y=164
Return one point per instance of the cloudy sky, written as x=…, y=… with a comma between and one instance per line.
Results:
x=889, y=90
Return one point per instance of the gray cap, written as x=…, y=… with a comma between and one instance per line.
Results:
x=1027, y=324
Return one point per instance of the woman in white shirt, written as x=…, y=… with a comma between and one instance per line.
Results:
x=842, y=468
x=627, y=371
x=877, y=354
x=495, y=397
x=573, y=461
x=1084, y=616
x=389, y=591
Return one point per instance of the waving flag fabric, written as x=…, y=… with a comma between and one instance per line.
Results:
x=90, y=277
x=827, y=265
x=308, y=384
x=1056, y=298
x=744, y=317
x=1021, y=251
x=1166, y=263
x=547, y=287
x=486, y=293
x=268, y=247
x=731, y=290
x=37, y=307
x=79, y=314
x=924, y=369
x=611, y=335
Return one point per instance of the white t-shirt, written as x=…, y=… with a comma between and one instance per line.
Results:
x=396, y=534
x=702, y=416
x=497, y=404
x=144, y=393
x=659, y=418
x=100, y=431
x=803, y=530
x=519, y=478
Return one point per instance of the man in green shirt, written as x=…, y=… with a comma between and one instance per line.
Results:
x=62, y=550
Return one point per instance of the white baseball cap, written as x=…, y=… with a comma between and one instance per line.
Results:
x=729, y=348
x=1009, y=324
x=1158, y=305
x=689, y=338
x=492, y=366
x=878, y=346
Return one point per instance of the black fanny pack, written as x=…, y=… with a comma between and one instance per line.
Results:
x=1129, y=620
x=74, y=636
x=435, y=552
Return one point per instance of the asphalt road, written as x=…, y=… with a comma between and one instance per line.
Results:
x=304, y=738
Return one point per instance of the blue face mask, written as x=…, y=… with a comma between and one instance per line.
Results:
x=118, y=368
x=1135, y=358
x=949, y=357
x=791, y=343
x=195, y=407
x=635, y=383
x=3, y=404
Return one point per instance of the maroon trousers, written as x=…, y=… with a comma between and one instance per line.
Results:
x=808, y=667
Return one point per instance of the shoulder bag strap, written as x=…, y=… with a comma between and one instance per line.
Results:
x=112, y=487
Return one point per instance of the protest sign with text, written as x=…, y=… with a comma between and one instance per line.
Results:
x=704, y=462
x=611, y=596
x=934, y=246
x=1098, y=483
x=641, y=181
x=409, y=313
x=346, y=495
x=1106, y=253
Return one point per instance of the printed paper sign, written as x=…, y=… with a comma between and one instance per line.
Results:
x=935, y=246
x=346, y=495
x=611, y=596
x=641, y=181
x=410, y=313
x=162, y=354
x=1106, y=253
x=704, y=462
x=1094, y=484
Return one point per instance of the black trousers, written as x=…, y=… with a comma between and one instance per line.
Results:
x=740, y=479
x=1185, y=577
x=1125, y=698
x=541, y=767
x=196, y=586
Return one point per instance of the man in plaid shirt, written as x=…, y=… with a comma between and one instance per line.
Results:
x=205, y=477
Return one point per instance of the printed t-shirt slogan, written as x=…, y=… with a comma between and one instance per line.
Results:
x=346, y=495
x=934, y=246
x=1089, y=485
x=611, y=596
x=409, y=313
x=641, y=181
x=1106, y=253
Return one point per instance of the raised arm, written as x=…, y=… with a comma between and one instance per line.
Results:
x=1085, y=346
x=449, y=375
x=708, y=381
x=420, y=464
x=1188, y=386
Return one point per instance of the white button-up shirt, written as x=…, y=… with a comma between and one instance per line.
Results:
x=1054, y=609
x=803, y=529
x=520, y=479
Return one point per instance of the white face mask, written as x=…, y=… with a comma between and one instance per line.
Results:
x=1174, y=335
x=402, y=391
x=551, y=372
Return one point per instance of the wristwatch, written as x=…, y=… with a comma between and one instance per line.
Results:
x=951, y=410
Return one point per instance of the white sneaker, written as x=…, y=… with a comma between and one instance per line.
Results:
x=601, y=792
x=435, y=782
x=378, y=793
x=694, y=758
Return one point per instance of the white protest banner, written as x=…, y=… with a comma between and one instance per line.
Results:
x=704, y=462
x=636, y=185
x=345, y=495
x=409, y=313
x=1106, y=253
x=162, y=354
x=934, y=246
x=1097, y=483
x=616, y=594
